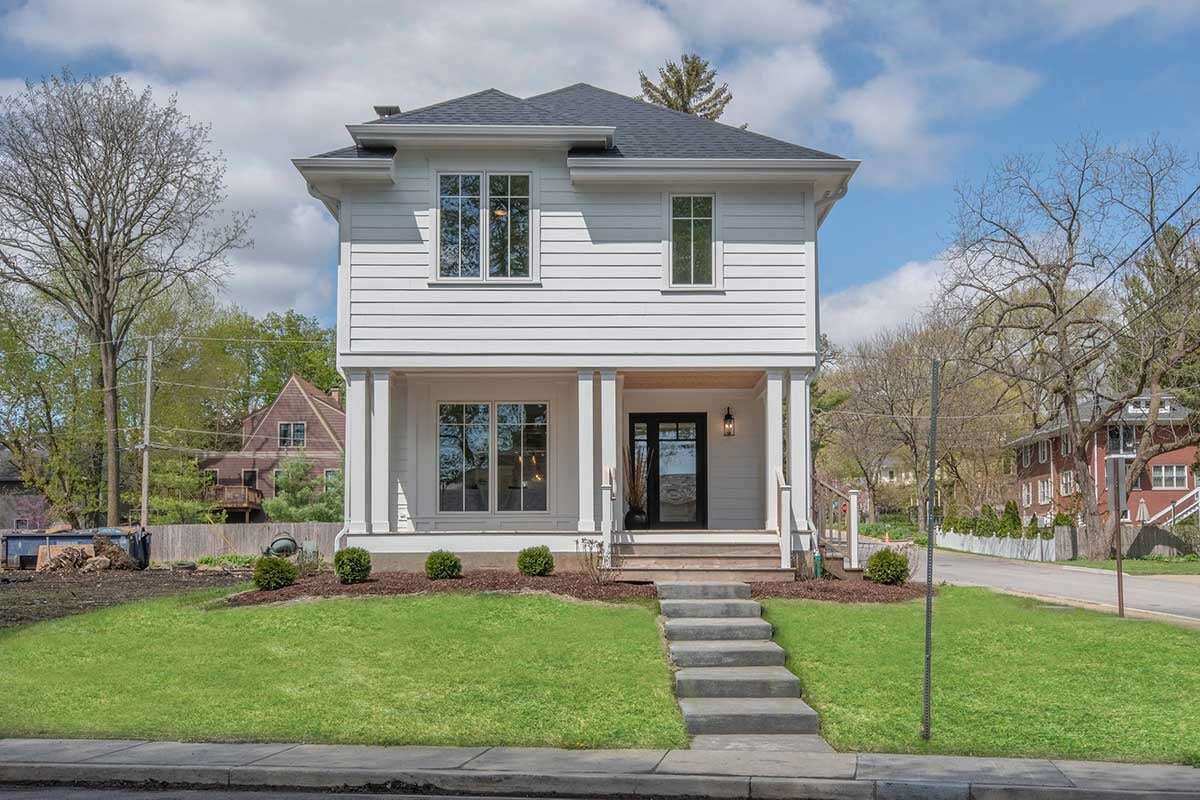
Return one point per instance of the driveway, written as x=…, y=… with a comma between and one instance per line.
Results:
x=1175, y=595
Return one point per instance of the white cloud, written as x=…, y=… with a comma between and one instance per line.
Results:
x=852, y=315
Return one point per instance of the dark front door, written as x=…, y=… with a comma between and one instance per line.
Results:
x=677, y=467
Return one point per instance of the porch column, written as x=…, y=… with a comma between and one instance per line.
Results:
x=381, y=451
x=773, y=447
x=800, y=449
x=358, y=438
x=608, y=443
x=587, y=483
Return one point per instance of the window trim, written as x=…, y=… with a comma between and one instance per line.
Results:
x=1043, y=448
x=1026, y=455
x=1064, y=445
x=250, y=486
x=1027, y=495
x=1048, y=496
x=493, y=458
x=435, y=230
x=1174, y=469
x=291, y=435
x=718, y=244
x=1063, y=481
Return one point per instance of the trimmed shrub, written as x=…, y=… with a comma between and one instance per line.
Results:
x=1047, y=533
x=888, y=567
x=274, y=572
x=1032, y=531
x=535, y=561
x=442, y=565
x=1064, y=519
x=352, y=565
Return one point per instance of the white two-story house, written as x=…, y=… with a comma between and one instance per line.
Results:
x=529, y=289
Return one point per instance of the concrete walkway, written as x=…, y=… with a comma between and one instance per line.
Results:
x=516, y=771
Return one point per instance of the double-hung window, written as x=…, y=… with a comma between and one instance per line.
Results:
x=1169, y=476
x=481, y=444
x=1026, y=456
x=1043, y=451
x=1044, y=491
x=1026, y=495
x=692, y=245
x=484, y=227
x=1066, y=483
x=291, y=434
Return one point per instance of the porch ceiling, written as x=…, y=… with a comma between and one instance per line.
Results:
x=714, y=379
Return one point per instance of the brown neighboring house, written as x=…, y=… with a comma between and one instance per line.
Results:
x=301, y=419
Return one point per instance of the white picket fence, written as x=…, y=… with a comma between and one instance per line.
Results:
x=1024, y=549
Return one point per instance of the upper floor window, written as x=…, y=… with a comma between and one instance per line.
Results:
x=1122, y=439
x=484, y=218
x=291, y=434
x=692, y=240
x=1169, y=476
x=1064, y=445
x=1043, y=451
x=1066, y=483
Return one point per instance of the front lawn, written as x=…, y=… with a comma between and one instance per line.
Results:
x=1144, y=566
x=1011, y=678
x=449, y=669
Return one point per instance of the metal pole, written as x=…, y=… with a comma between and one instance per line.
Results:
x=145, y=518
x=1117, y=489
x=927, y=711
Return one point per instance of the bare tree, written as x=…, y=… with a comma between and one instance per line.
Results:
x=1072, y=287
x=107, y=202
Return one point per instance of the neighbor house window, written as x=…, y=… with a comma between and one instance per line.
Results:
x=1066, y=483
x=331, y=476
x=459, y=233
x=1026, y=455
x=1044, y=490
x=291, y=434
x=275, y=479
x=250, y=478
x=1043, y=451
x=521, y=456
x=1169, y=476
x=1026, y=495
x=464, y=434
x=508, y=226
x=1122, y=439
x=20, y=523
x=211, y=477
x=1064, y=445
x=692, y=240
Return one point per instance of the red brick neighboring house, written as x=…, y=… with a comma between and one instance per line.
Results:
x=1046, y=479
x=301, y=419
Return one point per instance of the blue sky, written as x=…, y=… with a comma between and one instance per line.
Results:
x=926, y=93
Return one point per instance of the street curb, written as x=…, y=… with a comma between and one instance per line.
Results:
x=508, y=784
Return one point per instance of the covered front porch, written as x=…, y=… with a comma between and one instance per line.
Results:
x=485, y=463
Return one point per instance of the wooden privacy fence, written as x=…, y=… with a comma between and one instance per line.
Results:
x=190, y=542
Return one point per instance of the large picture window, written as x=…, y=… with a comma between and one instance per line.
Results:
x=692, y=240
x=464, y=433
x=459, y=247
x=521, y=456
x=508, y=226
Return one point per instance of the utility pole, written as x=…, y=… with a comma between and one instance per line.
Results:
x=1117, y=485
x=146, y=434
x=931, y=500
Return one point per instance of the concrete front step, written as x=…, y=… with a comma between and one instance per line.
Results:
x=718, y=574
x=703, y=561
x=693, y=629
x=675, y=609
x=708, y=715
x=743, y=653
x=650, y=549
x=736, y=682
x=696, y=590
x=769, y=742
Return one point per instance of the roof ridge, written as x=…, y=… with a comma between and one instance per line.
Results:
x=446, y=102
x=657, y=107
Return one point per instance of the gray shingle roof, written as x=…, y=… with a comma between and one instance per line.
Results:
x=1177, y=412
x=354, y=151
x=489, y=107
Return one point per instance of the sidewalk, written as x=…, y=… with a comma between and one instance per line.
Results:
x=510, y=771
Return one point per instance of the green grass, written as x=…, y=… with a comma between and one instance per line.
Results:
x=1144, y=566
x=1010, y=678
x=428, y=669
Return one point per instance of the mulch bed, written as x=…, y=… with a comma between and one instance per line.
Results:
x=567, y=584
x=846, y=591
x=35, y=596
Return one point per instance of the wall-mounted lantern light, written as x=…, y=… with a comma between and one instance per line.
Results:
x=729, y=421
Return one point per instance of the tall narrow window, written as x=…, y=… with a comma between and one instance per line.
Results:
x=692, y=240
x=508, y=226
x=458, y=226
x=521, y=456
x=463, y=433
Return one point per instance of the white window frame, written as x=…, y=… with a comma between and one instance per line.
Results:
x=1158, y=473
x=1064, y=445
x=493, y=458
x=248, y=486
x=1045, y=491
x=1043, y=447
x=17, y=523
x=1067, y=485
x=718, y=244
x=1026, y=455
x=1026, y=495
x=535, y=226
x=291, y=435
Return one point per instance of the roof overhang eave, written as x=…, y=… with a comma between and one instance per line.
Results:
x=324, y=176
x=601, y=169
x=401, y=136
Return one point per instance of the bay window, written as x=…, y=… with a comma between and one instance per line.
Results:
x=484, y=218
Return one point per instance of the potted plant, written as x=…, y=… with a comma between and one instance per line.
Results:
x=636, y=463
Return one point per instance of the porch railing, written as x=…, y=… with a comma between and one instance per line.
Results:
x=1179, y=509
x=607, y=511
x=785, y=519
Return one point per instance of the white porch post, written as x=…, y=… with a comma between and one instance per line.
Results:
x=358, y=437
x=800, y=449
x=853, y=527
x=773, y=447
x=381, y=452
x=587, y=484
x=608, y=446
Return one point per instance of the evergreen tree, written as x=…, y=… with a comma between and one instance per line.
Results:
x=301, y=496
x=688, y=87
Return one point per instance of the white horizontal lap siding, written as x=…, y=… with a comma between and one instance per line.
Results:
x=601, y=287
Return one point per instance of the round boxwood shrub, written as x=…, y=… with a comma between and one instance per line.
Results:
x=888, y=567
x=535, y=560
x=442, y=564
x=274, y=572
x=352, y=565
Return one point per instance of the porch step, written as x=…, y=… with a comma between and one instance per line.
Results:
x=707, y=715
x=771, y=742
x=743, y=653
x=736, y=682
x=691, y=629
x=710, y=608
x=706, y=574
x=658, y=549
x=700, y=561
x=695, y=590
